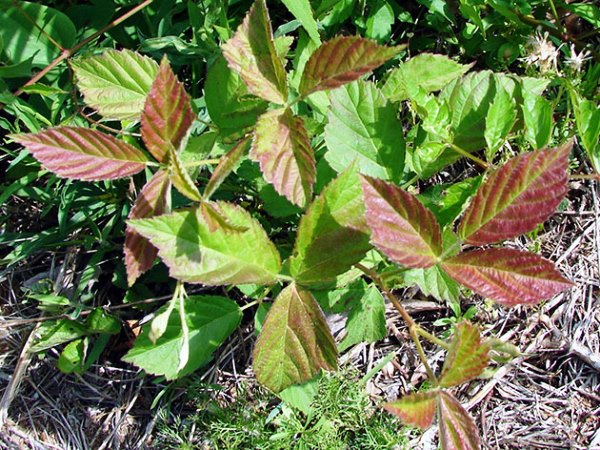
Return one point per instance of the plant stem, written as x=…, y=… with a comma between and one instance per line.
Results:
x=472, y=157
x=584, y=176
x=432, y=338
x=202, y=162
x=556, y=16
x=249, y=305
x=412, y=326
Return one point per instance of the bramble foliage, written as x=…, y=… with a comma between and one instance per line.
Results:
x=313, y=193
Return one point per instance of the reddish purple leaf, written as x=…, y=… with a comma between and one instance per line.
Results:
x=224, y=168
x=401, y=227
x=251, y=53
x=509, y=277
x=517, y=197
x=167, y=114
x=467, y=357
x=415, y=409
x=153, y=200
x=282, y=148
x=342, y=60
x=83, y=154
x=457, y=429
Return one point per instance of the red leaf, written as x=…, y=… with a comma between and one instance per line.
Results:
x=251, y=53
x=224, y=168
x=402, y=228
x=282, y=148
x=414, y=409
x=467, y=357
x=342, y=60
x=517, y=197
x=457, y=429
x=167, y=114
x=83, y=154
x=509, y=277
x=153, y=200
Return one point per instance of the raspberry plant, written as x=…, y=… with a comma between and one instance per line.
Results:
x=266, y=115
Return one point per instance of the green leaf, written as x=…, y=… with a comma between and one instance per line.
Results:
x=587, y=11
x=447, y=201
x=428, y=71
x=300, y=396
x=83, y=153
x=116, y=83
x=295, y=342
x=72, y=358
x=499, y=121
x=28, y=30
x=180, y=177
x=435, y=282
x=302, y=11
x=523, y=193
x=457, y=428
x=210, y=320
x=227, y=100
x=537, y=113
x=416, y=410
x=342, y=60
x=401, y=227
x=99, y=321
x=507, y=276
x=362, y=126
x=167, y=114
x=153, y=200
x=159, y=324
x=224, y=168
x=52, y=333
x=467, y=357
x=380, y=21
x=366, y=321
x=587, y=117
x=333, y=234
x=282, y=148
x=251, y=53
x=196, y=255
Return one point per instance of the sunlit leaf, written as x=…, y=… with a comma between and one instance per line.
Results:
x=366, y=320
x=333, y=234
x=302, y=11
x=499, y=121
x=295, y=341
x=196, y=254
x=153, y=200
x=224, y=168
x=401, y=227
x=587, y=117
x=251, y=53
x=83, y=154
x=282, y=148
x=467, y=357
x=523, y=193
x=167, y=114
x=507, y=276
x=457, y=429
x=181, y=178
x=116, y=83
x=416, y=410
x=435, y=282
x=342, y=60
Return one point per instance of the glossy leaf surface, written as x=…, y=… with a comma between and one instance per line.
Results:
x=416, y=410
x=524, y=192
x=167, y=114
x=196, y=254
x=457, y=429
x=295, y=341
x=83, y=153
x=153, y=200
x=467, y=357
x=507, y=276
x=116, y=83
x=401, y=227
x=282, y=148
x=251, y=53
x=333, y=234
x=342, y=60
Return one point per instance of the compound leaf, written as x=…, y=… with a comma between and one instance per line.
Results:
x=401, y=227
x=415, y=409
x=457, y=429
x=467, y=357
x=116, y=83
x=195, y=254
x=251, y=53
x=342, y=60
x=333, y=234
x=83, y=154
x=282, y=148
x=153, y=200
x=517, y=197
x=509, y=277
x=210, y=320
x=295, y=341
x=362, y=126
x=167, y=114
